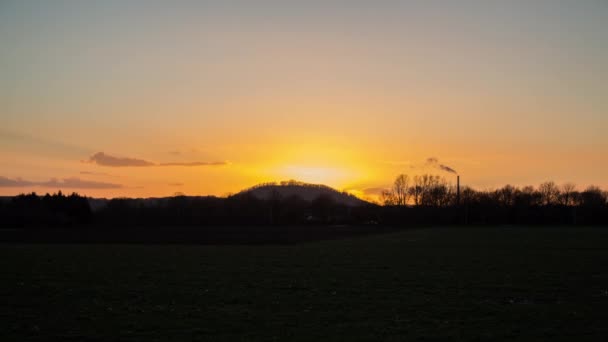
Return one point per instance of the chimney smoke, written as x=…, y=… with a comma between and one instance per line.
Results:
x=434, y=162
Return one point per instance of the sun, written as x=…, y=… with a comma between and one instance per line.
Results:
x=328, y=164
x=315, y=174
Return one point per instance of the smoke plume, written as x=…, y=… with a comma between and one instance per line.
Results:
x=433, y=162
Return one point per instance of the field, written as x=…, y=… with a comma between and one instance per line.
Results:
x=483, y=283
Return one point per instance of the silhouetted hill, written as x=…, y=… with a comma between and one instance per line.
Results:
x=305, y=191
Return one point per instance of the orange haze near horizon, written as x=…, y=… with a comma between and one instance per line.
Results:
x=145, y=99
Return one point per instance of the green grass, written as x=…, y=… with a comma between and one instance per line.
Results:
x=511, y=283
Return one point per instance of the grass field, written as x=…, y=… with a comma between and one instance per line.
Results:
x=498, y=283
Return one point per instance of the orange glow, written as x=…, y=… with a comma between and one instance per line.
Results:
x=367, y=92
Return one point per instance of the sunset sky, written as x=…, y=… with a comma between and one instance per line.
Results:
x=150, y=98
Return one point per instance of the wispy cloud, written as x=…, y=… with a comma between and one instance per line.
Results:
x=219, y=163
x=103, y=159
x=66, y=183
x=373, y=191
x=176, y=184
x=41, y=145
x=397, y=162
x=92, y=173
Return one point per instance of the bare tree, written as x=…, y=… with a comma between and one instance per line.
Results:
x=440, y=192
x=416, y=190
x=549, y=193
x=401, y=188
x=430, y=190
x=593, y=196
x=429, y=183
x=387, y=197
x=527, y=196
x=567, y=194
x=506, y=195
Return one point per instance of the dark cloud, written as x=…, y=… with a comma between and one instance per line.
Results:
x=176, y=184
x=103, y=159
x=66, y=183
x=17, y=182
x=77, y=183
x=100, y=158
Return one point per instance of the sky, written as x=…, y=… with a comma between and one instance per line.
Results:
x=152, y=98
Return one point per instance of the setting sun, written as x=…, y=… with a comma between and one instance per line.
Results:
x=318, y=175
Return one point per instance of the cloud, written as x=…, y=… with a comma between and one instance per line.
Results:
x=66, y=183
x=39, y=145
x=176, y=184
x=77, y=183
x=91, y=173
x=100, y=158
x=103, y=159
x=397, y=162
x=373, y=191
x=195, y=164
x=17, y=182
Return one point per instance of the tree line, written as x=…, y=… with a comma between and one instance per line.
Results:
x=430, y=198
x=421, y=199
x=58, y=210
x=49, y=210
x=433, y=190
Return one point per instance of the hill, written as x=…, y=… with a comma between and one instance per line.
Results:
x=305, y=191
